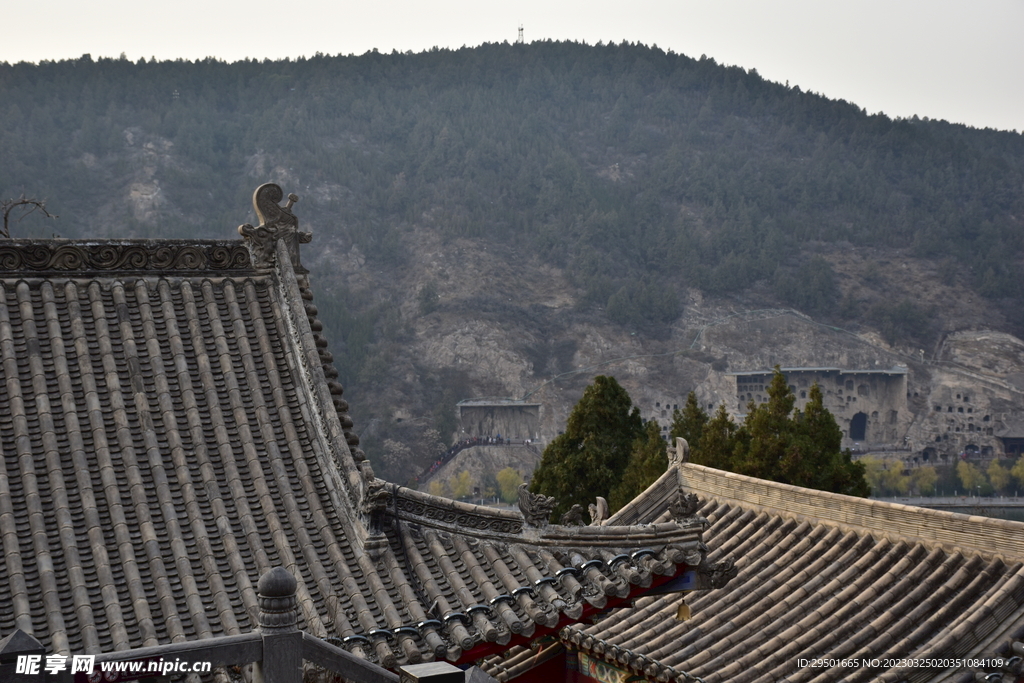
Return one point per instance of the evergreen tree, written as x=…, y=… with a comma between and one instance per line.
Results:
x=770, y=432
x=780, y=444
x=816, y=458
x=689, y=422
x=717, y=443
x=647, y=462
x=588, y=460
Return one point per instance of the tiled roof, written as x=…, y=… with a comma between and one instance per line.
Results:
x=820, y=576
x=172, y=427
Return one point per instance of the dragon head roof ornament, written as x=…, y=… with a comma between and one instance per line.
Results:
x=536, y=507
x=276, y=223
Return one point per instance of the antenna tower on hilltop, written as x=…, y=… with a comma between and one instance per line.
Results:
x=520, y=39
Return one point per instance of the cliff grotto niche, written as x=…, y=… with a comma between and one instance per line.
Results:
x=859, y=427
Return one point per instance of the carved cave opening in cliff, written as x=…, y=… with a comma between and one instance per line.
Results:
x=859, y=426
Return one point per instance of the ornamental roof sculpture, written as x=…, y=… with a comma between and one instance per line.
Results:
x=172, y=427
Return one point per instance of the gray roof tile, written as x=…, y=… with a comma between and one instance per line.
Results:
x=171, y=428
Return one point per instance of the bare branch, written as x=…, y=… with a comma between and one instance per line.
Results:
x=21, y=207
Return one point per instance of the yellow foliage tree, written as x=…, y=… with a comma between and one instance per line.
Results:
x=998, y=475
x=924, y=479
x=885, y=479
x=461, y=485
x=1017, y=471
x=509, y=480
x=970, y=476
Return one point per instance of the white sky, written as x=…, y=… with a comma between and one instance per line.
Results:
x=960, y=60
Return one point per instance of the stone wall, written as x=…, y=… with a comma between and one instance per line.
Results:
x=510, y=420
x=963, y=414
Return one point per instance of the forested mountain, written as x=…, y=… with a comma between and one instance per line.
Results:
x=641, y=175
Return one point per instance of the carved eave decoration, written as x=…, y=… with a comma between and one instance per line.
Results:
x=598, y=511
x=184, y=257
x=574, y=517
x=276, y=223
x=374, y=505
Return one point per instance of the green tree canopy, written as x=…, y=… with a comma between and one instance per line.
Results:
x=778, y=443
x=717, y=443
x=647, y=462
x=589, y=459
x=689, y=422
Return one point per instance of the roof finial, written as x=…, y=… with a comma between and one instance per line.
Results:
x=536, y=507
x=276, y=223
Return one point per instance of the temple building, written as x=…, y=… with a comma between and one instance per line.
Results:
x=829, y=588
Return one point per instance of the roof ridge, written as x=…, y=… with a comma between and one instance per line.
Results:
x=89, y=256
x=951, y=530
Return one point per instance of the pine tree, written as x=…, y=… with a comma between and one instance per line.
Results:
x=588, y=460
x=769, y=429
x=647, y=462
x=689, y=422
x=717, y=442
x=817, y=459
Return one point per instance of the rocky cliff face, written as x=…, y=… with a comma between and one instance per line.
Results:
x=514, y=329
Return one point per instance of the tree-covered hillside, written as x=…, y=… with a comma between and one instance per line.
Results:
x=627, y=164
